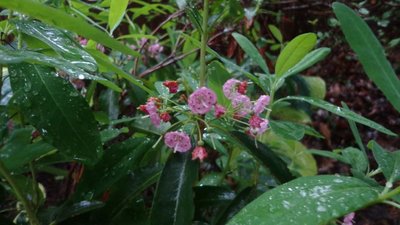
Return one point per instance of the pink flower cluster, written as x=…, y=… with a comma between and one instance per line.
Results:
x=202, y=100
x=235, y=91
x=179, y=141
x=151, y=108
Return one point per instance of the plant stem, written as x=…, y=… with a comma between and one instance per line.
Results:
x=1, y=80
x=20, y=196
x=203, y=68
x=390, y=194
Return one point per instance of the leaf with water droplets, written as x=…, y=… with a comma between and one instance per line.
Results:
x=60, y=41
x=65, y=121
x=308, y=200
x=348, y=114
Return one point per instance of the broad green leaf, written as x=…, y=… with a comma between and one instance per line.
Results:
x=252, y=51
x=57, y=110
x=389, y=162
x=216, y=79
x=300, y=161
x=63, y=20
x=316, y=86
x=104, y=61
x=290, y=114
x=268, y=158
x=355, y=158
x=111, y=133
x=308, y=200
x=287, y=129
x=55, y=215
x=370, y=53
x=342, y=112
x=309, y=60
x=8, y=56
x=116, y=163
x=116, y=13
x=173, y=200
x=276, y=32
x=60, y=41
x=19, y=151
x=294, y=51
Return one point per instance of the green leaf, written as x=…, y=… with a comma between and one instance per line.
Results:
x=70, y=210
x=60, y=41
x=341, y=112
x=287, y=129
x=294, y=51
x=389, y=162
x=268, y=158
x=218, y=76
x=251, y=50
x=308, y=200
x=212, y=196
x=276, y=32
x=355, y=158
x=63, y=20
x=299, y=160
x=115, y=164
x=117, y=12
x=309, y=60
x=370, y=52
x=8, y=56
x=57, y=110
x=104, y=61
x=19, y=151
x=316, y=86
x=173, y=200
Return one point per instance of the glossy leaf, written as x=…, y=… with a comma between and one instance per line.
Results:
x=63, y=20
x=60, y=41
x=342, y=112
x=115, y=164
x=355, y=158
x=389, y=162
x=316, y=86
x=370, y=52
x=71, y=128
x=173, y=200
x=309, y=60
x=70, y=210
x=308, y=200
x=117, y=12
x=19, y=151
x=268, y=158
x=287, y=129
x=252, y=51
x=294, y=52
x=8, y=56
x=212, y=196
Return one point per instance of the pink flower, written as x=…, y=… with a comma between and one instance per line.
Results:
x=260, y=104
x=348, y=219
x=179, y=141
x=199, y=153
x=151, y=109
x=257, y=125
x=155, y=49
x=83, y=41
x=242, y=105
x=219, y=110
x=230, y=88
x=202, y=100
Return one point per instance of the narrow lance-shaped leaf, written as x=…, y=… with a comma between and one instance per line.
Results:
x=370, y=52
x=308, y=200
x=117, y=12
x=348, y=114
x=8, y=56
x=63, y=20
x=294, y=51
x=173, y=201
x=309, y=60
x=57, y=110
x=59, y=41
x=251, y=50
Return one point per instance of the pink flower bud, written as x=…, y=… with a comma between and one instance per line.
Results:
x=199, y=153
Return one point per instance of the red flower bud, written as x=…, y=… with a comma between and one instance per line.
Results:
x=199, y=153
x=171, y=85
x=242, y=87
x=165, y=117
